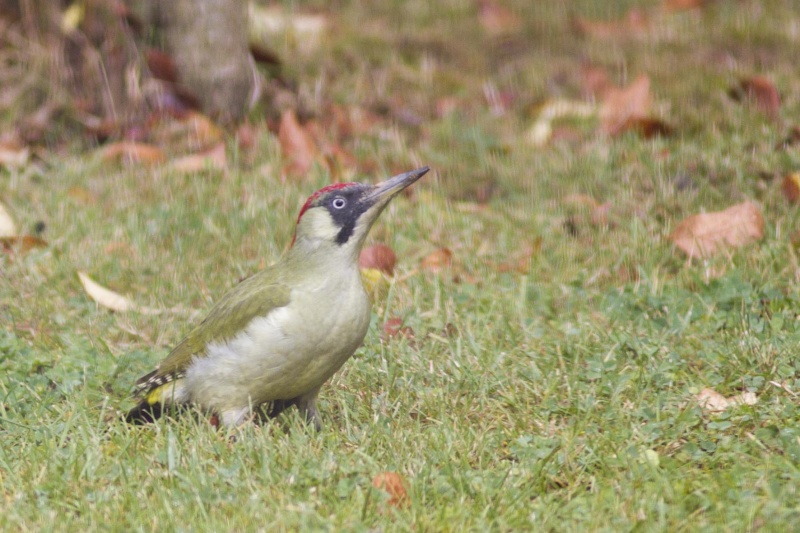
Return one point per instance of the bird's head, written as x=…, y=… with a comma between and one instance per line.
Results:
x=340, y=216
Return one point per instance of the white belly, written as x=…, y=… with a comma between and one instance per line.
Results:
x=285, y=354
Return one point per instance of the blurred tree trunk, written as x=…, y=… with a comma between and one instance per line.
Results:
x=208, y=41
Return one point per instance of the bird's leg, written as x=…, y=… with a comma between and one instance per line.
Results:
x=276, y=407
x=307, y=404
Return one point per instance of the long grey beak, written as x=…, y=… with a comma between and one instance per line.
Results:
x=386, y=190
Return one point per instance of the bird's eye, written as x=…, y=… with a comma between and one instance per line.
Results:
x=338, y=203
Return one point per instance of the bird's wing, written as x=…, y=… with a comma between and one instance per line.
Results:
x=228, y=317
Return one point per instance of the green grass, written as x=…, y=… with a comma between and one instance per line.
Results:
x=558, y=399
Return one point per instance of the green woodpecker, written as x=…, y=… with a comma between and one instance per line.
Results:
x=277, y=336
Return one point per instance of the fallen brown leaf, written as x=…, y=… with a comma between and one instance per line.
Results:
x=214, y=158
x=191, y=131
x=378, y=256
x=762, y=91
x=171, y=100
x=791, y=187
x=348, y=122
x=202, y=132
x=394, y=485
x=705, y=234
x=394, y=328
x=635, y=24
x=437, y=260
x=133, y=152
x=21, y=243
x=264, y=55
x=647, y=128
x=297, y=144
x=620, y=106
x=161, y=65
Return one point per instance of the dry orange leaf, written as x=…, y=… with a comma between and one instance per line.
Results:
x=705, y=234
x=21, y=243
x=133, y=152
x=791, y=187
x=712, y=401
x=437, y=260
x=763, y=92
x=190, y=132
x=634, y=24
x=647, y=128
x=297, y=144
x=378, y=256
x=213, y=158
x=620, y=106
x=393, y=484
x=201, y=131
x=394, y=328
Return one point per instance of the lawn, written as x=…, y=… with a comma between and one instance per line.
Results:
x=550, y=374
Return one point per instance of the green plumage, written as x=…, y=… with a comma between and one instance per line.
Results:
x=253, y=297
x=315, y=315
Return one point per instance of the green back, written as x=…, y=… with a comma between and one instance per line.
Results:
x=254, y=297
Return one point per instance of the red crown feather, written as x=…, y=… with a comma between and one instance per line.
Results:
x=313, y=197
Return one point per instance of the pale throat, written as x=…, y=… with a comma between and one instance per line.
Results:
x=317, y=233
